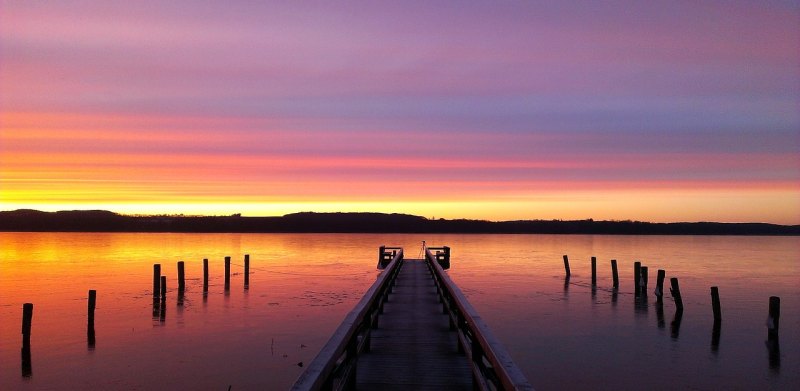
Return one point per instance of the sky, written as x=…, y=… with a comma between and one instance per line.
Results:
x=498, y=110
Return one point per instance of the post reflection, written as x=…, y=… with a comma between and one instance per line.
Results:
x=162, y=316
x=675, y=326
x=640, y=305
x=660, y=315
x=774, y=352
x=27, y=367
x=715, y=334
x=156, y=309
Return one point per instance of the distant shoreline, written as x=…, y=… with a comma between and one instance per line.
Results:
x=26, y=220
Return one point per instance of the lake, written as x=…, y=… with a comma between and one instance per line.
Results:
x=562, y=335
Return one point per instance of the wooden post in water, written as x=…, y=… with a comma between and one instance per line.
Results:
x=227, y=273
x=594, y=271
x=163, y=288
x=27, y=320
x=676, y=293
x=715, y=305
x=614, y=273
x=643, y=280
x=156, y=281
x=90, y=318
x=637, y=269
x=181, y=277
x=660, y=286
x=205, y=276
x=92, y=304
x=773, y=321
x=247, y=271
x=566, y=265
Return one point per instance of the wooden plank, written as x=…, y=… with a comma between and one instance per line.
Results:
x=413, y=347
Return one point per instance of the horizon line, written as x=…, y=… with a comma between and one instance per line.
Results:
x=240, y=215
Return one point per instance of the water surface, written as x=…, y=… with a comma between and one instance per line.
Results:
x=563, y=336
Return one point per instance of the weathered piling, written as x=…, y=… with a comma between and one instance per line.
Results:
x=181, y=277
x=247, y=271
x=227, y=273
x=92, y=302
x=637, y=269
x=27, y=321
x=566, y=266
x=643, y=280
x=163, y=288
x=773, y=320
x=594, y=271
x=715, y=305
x=660, y=286
x=205, y=276
x=615, y=273
x=675, y=290
x=156, y=281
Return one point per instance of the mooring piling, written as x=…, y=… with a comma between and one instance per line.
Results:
x=27, y=320
x=205, y=276
x=637, y=269
x=90, y=335
x=156, y=281
x=715, y=305
x=594, y=271
x=247, y=271
x=660, y=286
x=92, y=304
x=643, y=280
x=227, y=273
x=181, y=277
x=675, y=290
x=773, y=320
x=566, y=266
x=614, y=273
x=163, y=288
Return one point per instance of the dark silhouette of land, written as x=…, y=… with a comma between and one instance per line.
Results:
x=309, y=222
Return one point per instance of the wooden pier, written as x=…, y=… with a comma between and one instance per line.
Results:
x=413, y=330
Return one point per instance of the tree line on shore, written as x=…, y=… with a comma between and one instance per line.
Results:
x=311, y=222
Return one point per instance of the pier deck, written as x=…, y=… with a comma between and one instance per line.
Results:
x=413, y=346
x=413, y=330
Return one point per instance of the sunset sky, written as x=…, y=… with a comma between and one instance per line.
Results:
x=661, y=111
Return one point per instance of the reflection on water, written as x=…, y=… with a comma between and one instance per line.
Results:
x=675, y=325
x=301, y=286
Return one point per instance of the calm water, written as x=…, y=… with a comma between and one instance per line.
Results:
x=563, y=336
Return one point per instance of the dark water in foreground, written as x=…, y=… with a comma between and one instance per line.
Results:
x=563, y=336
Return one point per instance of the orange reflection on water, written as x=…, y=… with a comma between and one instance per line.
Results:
x=302, y=285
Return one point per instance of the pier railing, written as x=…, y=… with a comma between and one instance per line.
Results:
x=334, y=368
x=492, y=366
